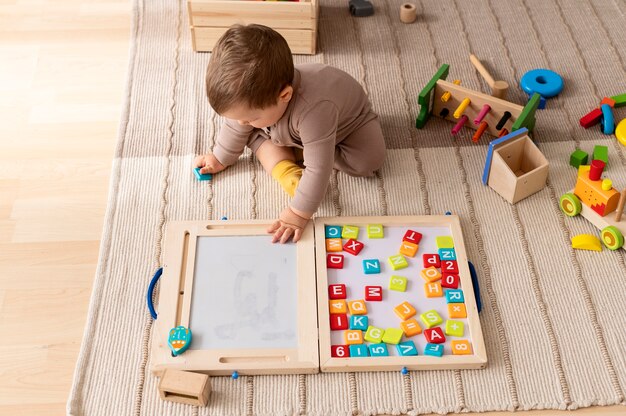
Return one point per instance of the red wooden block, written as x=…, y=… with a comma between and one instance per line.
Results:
x=449, y=266
x=340, y=351
x=374, y=293
x=435, y=335
x=412, y=236
x=592, y=118
x=334, y=261
x=337, y=292
x=338, y=321
x=353, y=247
x=431, y=260
x=450, y=281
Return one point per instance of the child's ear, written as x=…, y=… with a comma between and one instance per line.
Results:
x=286, y=94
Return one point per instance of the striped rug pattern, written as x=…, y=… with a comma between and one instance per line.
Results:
x=553, y=318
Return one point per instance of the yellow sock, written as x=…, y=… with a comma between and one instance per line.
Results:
x=288, y=175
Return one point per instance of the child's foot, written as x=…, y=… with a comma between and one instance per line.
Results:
x=288, y=175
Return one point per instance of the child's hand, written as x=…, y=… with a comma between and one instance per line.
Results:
x=288, y=224
x=208, y=163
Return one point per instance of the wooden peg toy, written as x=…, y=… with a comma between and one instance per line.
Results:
x=505, y=117
x=446, y=95
x=499, y=89
x=459, y=125
x=408, y=13
x=462, y=107
x=479, y=132
x=503, y=133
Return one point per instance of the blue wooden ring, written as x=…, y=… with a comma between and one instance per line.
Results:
x=543, y=82
x=608, y=121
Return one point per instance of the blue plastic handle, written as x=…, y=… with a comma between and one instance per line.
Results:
x=153, y=283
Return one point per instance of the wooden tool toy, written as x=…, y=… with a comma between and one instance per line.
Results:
x=499, y=89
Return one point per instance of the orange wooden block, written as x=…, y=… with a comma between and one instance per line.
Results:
x=353, y=337
x=408, y=249
x=357, y=307
x=431, y=274
x=457, y=310
x=433, y=290
x=337, y=306
x=411, y=327
x=404, y=310
x=333, y=245
x=461, y=347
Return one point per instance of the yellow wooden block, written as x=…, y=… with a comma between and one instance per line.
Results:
x=338, y=306
x=404, y=310
x=586, y=242
x=431, y=274
x=357, y=307
x=333, y=245
x=461, y=347
x=433, y=290
x=353, y=337
x=408, y=249
x=411, y=327
x=457, y=310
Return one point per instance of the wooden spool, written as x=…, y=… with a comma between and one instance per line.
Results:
x=408, y=13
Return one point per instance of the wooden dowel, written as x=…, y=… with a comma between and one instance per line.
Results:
x=459, y=125
x=461, y=108
x=620, y=206
x=485, y=110
x=503, y=120
x=479, y=131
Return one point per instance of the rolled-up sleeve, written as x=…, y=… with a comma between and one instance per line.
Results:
x=231, y=141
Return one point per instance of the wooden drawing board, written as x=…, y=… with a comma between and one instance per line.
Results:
x=381, y=314
x=247, y=301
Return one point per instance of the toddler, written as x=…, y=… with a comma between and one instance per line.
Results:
x=275, y=109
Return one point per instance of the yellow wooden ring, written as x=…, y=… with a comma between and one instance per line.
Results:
x=620, y=132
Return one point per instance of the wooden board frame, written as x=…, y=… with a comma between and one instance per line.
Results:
x=174, y=306
x=330, y=364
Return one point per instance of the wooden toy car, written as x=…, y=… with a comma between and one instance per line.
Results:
x=595, y=198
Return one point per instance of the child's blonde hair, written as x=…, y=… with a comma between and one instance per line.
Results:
x=249, y=65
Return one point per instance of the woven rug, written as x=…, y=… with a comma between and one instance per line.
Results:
x=553, y=318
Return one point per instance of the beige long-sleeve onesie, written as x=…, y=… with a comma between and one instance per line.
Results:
x=330, y=118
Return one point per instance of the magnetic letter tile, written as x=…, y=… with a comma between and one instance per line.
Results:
x=337, y=291
x=434, y=350
x=334, y=261
x=359, y=322
x=398, y=262
x=444, y=242
x=333, y=245
x=408, y=249
x=412, y=237
x=406, y=348
x=371, y=266
x=433, y=290
x=398, y=283
x=430, y=274
x=333, y=231
x=339, y=351
x=450, y=281
x=447, y=254
x=405, y=310
x=374, y=334
x=411, y=327
x=359, y=350
x=392, y=335
x=353, y=247
x=431, y=318
x=353, y=337
x=378, y=350
x=454, y=328
x=375, y=231
x=357, y=307
x=449, y=267
x=461, y=347
x=350, y=231
x=455, y=296
x=431, y=260
x=338, y=321
x=457, y=310
x=435, y=335
x=338, y=306
x=374, y=293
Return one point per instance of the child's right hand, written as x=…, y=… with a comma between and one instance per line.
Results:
x=208, y=163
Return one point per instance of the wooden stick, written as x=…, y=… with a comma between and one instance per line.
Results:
x=498, y=88
x=620, y=206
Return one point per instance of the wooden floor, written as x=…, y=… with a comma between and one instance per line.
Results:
x=62, y=76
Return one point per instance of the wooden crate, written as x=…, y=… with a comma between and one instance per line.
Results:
x=295, y=21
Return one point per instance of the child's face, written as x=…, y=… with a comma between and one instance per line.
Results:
x=260, y=118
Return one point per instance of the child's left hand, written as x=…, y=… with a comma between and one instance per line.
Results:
x=289, y=224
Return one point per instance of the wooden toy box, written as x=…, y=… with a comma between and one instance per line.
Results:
x=296, y=21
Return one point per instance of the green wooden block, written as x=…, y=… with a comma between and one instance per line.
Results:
x=374, y=334
x=620, y=100
x=398, y=262
x=398, y=283
x=578, y=157
x=455, y=328
x=350, y=231
x=527, y=117
x=375, y=231
x=425, y=98
x=601, y=153
x=431, y=318
x=392, y=336
x=444, y=242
